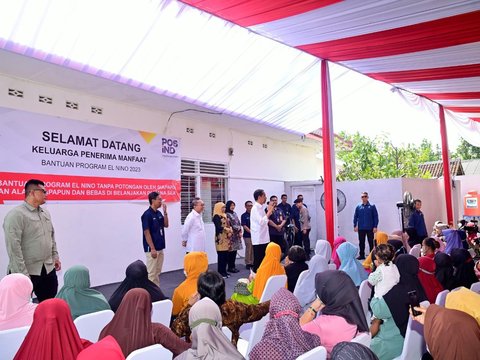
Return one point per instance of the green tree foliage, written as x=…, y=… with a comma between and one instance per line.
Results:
x=466, y=151
x=366, y=158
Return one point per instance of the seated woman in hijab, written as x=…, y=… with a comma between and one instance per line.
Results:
x=403, y=237
x=449, y=334
x=78, y=295
x=464, y=300
x=305, y=289
x=294, y=265
x=452, y=240
x=16, y=307
x=53, y=334
x=208, y=339
x=105, y=349
x=270, y=266
x=347, y=253
x=398, y=246
x=380, y=238
x=464, y=272
x=136, y=277
x=336, y=243
x=426, y=274
x=444, y=270
x=133, y=329
x=390, y=313
x=342, y=317
x=283, y=338
x=234, y=314
x=323, y=248
x=194, y=263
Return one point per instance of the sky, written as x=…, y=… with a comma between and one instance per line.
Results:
x=371, y=108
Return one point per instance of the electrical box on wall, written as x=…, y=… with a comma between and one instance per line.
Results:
x=230, y=151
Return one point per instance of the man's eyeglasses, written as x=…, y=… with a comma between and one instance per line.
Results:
x=364, y=196
x=42, y=190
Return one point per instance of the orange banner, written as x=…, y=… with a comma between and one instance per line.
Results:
x=81, y=188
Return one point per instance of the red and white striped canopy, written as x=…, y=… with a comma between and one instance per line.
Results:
x=428, y=47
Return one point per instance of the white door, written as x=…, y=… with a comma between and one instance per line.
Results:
x=310, y=200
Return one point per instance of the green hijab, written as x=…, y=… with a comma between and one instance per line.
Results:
x=77, y=293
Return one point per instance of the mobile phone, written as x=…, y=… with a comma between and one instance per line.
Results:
x=412, y=295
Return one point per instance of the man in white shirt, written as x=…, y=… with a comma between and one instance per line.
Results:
x=193, y=232
x=259, y=227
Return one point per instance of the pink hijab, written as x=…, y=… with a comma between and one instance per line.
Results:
x=16, y=308
x=338, y=241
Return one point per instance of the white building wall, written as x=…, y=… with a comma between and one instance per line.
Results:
x=106, y=237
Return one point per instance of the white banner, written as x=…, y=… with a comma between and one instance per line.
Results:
x=85, y=161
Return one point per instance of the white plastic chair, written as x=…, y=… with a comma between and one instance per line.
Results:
x=273, y=284
x=162, y=311
x=414, y=345
x=365, y=291
x=11, y=340
x=332, y=266
x=442, y=298
x=318, y=353
x=363, y=338
x=89, y=326
x=152, y=352
x=227, y=332
x=256, y=334
x=416, y=250
x=299, y=280
x=475, y=287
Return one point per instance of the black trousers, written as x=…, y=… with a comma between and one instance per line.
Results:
x=258, y=255
x=280, y=240
x=306, y=242
x=232, y=256
x=298, y=238
x=222, y=262
x=45, y=285
x=361, y=240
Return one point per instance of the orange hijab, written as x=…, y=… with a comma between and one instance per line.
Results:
x=270, y=266
x=194, y=264
x=381, y=238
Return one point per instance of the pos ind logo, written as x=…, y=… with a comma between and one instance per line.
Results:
x=169, y=146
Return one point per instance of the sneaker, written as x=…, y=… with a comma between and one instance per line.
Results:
x=225, y=276
x=361, y=257
x=233, y=270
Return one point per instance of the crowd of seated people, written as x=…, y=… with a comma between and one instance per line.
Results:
x=320, y=308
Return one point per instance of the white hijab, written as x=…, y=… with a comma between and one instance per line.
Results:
x=208, y=340
x=323, y=248
x=305, y=289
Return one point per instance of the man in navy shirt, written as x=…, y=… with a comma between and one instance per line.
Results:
x=365, y=222
x=417, y=230
x=286, y=208
x=247, y=236
x=153, y=226
x=276, y=225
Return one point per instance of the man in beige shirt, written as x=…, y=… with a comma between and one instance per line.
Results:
x=30, y=240
x=305, y=226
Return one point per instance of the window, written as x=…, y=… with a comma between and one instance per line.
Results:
x=204, y=179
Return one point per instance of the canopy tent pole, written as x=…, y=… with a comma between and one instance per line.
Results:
x=446, y=166
x=329, y=185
